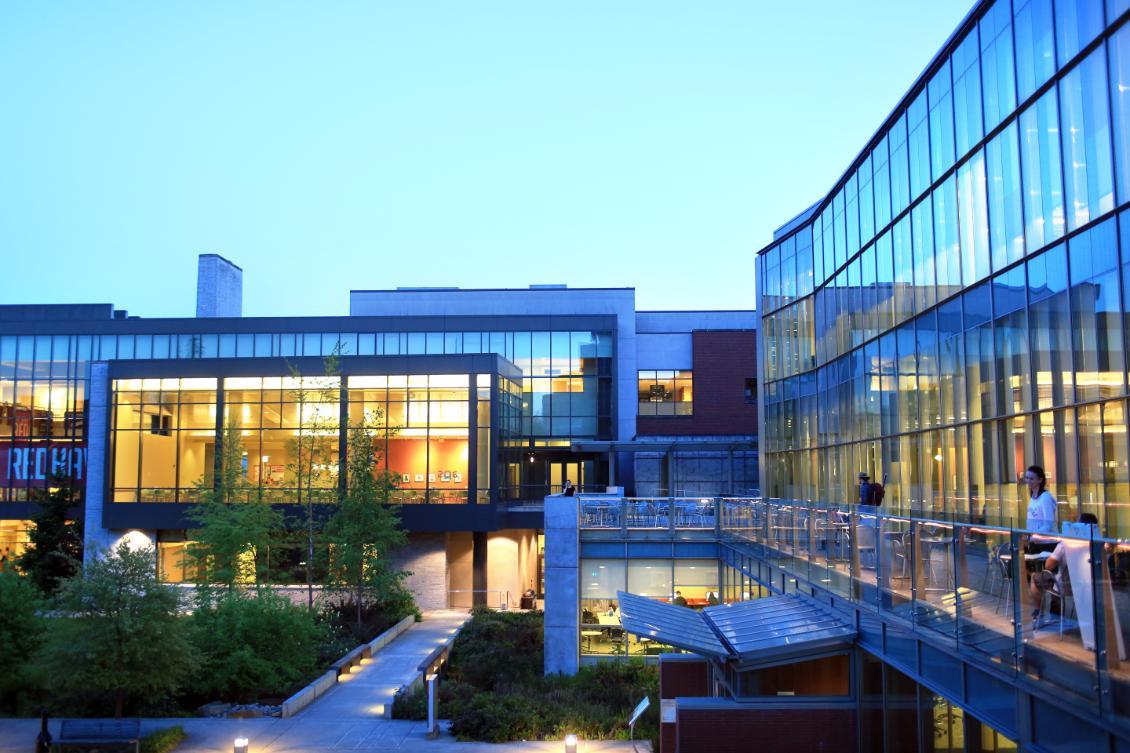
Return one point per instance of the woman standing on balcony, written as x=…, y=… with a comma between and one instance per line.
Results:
x=1041, y=511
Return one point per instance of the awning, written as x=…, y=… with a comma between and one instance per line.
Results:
x=761, y=631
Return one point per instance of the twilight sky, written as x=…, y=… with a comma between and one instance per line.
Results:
x=329, y=146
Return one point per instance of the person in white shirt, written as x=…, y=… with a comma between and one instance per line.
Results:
x=1041, y=516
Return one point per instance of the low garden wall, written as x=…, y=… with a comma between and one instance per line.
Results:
x=344, y=665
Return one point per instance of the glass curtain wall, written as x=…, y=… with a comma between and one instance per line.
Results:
x=984, y=330
x=566, y=389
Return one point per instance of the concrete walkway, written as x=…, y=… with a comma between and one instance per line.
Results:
x=350, y=717
x=367, y=692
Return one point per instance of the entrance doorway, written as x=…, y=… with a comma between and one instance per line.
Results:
x=559, y=473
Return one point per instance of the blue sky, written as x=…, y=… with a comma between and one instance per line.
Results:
x=329, y=146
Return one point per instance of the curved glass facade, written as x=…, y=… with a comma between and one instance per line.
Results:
x=956, y=309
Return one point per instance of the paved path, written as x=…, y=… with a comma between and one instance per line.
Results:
x=367, y=692
x=350, y=717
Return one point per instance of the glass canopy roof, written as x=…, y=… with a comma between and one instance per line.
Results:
x=761, y=631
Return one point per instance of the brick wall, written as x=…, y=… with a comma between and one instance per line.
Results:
x=722, y=361
x=425, y=556
x=734, y=728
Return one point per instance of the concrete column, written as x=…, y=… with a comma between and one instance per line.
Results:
x=95, y=537
x=479, y=567
x=562, y=611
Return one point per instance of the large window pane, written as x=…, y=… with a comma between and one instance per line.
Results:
x=1035, y=44
x=1086, y=141
x=1006, y=226
x=1077, y=22
x=1120, y=102
x=919, y=145
x=974, y=220
x=997, y=76
x=1096, y=313
x=1041, y=172
x=967, y=93
x=941, y=121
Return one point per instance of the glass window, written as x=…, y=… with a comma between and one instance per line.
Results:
x=1035, y=44
x=665, y=393
x=1049, y=330
x=974, y=219
x=941, y=121
x=922, y=224
x=650, y=578
x=919, y=145
x=900, y=177
x=882, y=185
x=966, y=63
x=947, y=239
x=997, y=77
x=1120, y=102
x=1089, y=178
x=1006, y=225
x=1077, y=22
x=1096, y=313
x=866, y=208
x=1041, y=172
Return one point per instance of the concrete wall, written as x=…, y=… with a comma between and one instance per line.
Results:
x=95, y=537
x=694, y=473
x=426, y=557
x=562, y=616
x=510, y=567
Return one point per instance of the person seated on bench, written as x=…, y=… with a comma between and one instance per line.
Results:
x=679, y=601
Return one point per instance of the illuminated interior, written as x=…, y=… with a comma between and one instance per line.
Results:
x=165, y=435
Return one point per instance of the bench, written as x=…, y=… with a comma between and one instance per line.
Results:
x=100, y=735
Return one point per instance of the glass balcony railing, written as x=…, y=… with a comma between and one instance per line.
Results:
x=1060, y=618
x=606, y=512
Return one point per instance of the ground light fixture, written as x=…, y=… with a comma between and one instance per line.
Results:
x=240, y=745
x=570, y=744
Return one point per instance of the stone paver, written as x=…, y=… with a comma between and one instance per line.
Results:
x=347, y=718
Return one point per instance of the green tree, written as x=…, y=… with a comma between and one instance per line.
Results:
x=54, y=550
x=365, y=529
x=314, y=449
x=20, y=634
x=117, y=633
x=235, y=528
x=252, y=644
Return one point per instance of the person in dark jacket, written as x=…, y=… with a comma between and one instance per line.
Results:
x=570, y=490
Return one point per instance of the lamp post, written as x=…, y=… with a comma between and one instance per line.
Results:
x=570, y=744
x=433, y=703
x=240, y=745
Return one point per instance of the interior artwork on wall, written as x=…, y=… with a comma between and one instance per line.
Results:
x=419, y=478
x=431, y=478
x=457, y=477
x=405, y=478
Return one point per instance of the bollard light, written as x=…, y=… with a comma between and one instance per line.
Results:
x=570, y=744
x=240, y=745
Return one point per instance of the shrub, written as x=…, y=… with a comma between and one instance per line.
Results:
x=20, y=633
x=498, y=718
x=253, y=645
x=163, y=740
x=499, y=649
